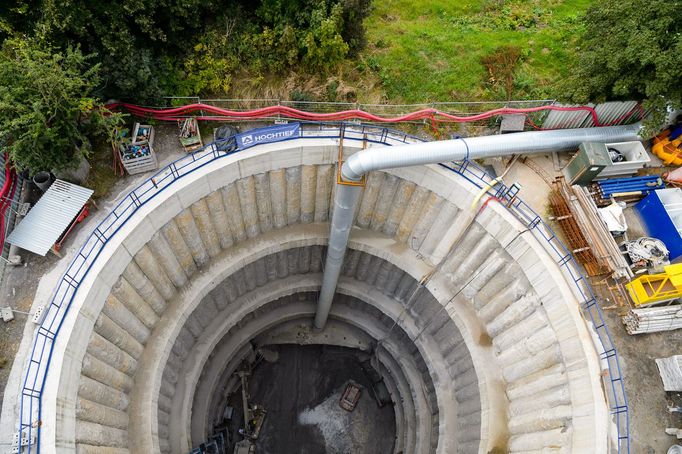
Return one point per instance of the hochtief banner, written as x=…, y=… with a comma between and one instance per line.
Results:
x=267, y=135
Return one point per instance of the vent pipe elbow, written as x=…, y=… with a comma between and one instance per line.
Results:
x=482, y=147
x=371, y=159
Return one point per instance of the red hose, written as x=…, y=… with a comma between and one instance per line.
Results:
x=6, y=196
x=175, y=113
x=218, y=114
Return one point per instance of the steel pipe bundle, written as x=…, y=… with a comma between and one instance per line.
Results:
x=643, y=185
x=653, y=319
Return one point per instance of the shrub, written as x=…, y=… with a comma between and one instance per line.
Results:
x=500, y=67
x=47, y=109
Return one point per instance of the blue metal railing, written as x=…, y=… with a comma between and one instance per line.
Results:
x=55, y=313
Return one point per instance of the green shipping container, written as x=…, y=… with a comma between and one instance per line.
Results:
x=591, y=159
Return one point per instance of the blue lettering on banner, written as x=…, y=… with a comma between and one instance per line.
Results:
x=267, y=135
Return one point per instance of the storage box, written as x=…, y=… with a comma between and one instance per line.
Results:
x=139, y=156
x=635, y=155
x=190, y=135
x=592, y=162
x=588, y=162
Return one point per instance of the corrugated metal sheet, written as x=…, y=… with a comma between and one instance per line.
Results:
x=48, y=219
x=557, y=119
x=613, y=113
x=608, y=113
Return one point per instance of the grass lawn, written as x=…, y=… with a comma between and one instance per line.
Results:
x=431, y=50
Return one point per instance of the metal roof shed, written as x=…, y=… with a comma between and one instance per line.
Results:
x=50, y=217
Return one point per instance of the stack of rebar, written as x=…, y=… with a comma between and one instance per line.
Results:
x=588, y=232
x=573, y=235
x=598, y=234
x=653, y=319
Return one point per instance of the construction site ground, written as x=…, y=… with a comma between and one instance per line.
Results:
x=648, y=402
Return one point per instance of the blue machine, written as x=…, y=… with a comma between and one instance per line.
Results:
x=661, y=212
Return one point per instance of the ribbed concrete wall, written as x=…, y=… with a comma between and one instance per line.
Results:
x=508, y=307
x=421, y=423
x=389, y=281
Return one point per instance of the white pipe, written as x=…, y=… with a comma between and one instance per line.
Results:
x=371, y=159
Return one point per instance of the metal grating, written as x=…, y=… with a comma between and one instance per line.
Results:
x=50, y=217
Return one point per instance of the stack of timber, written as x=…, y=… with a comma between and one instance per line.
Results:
x=603, y=246
x=653, y=319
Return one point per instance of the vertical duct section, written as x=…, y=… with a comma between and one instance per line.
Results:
x=342, y=221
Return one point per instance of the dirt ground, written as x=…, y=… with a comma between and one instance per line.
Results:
x=18, y=284
x=646, y=398
x=301, y=393
x=17, y=290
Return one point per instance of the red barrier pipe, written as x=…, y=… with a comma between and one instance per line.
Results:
x=6, y=195
x=175, y=113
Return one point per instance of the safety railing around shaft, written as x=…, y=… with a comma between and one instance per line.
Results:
x=37, y=367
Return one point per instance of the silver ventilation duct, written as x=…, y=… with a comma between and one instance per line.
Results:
x=432, y=153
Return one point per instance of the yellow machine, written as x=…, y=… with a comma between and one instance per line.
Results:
x=670, y=151
x=654, y=288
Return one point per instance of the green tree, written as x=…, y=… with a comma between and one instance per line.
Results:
x=140, y=43
x=17, y=16
x=323, y=44
x=47, y=109
x=150, y=48
x=354, y=13
x=631, y=50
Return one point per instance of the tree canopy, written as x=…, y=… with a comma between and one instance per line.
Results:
x=631, y=50
x=47, y=109
x=148, y=48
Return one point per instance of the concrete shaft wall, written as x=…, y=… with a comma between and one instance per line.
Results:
x=390, y=294
x=495, y=338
